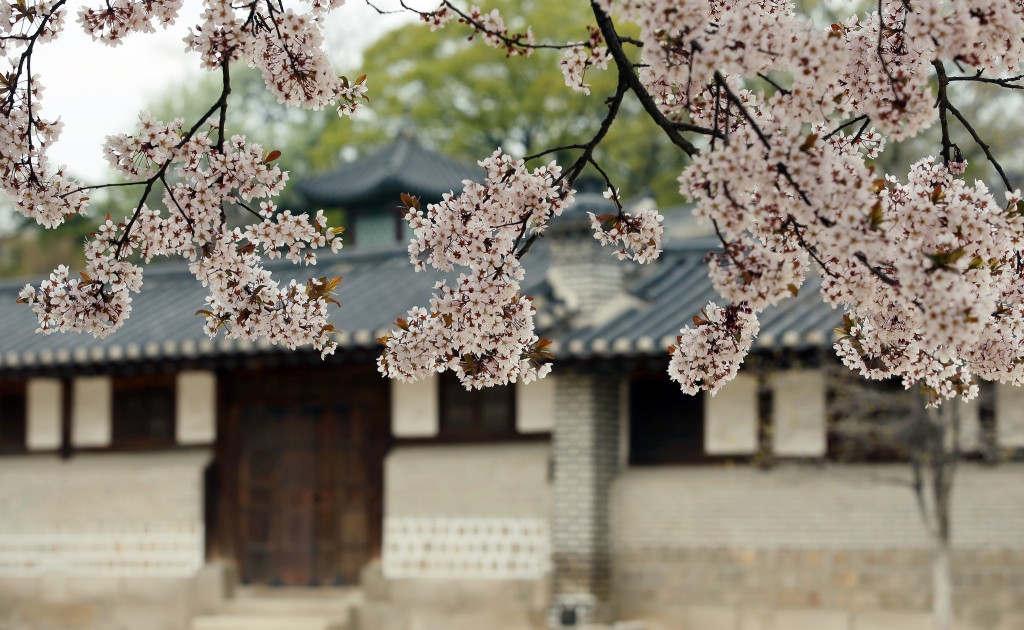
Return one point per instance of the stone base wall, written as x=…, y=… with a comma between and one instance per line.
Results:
x=65, y=602
x=467, y=512
x=732, y=618
x=742, y=546
x=988, y=585
x=452, y=604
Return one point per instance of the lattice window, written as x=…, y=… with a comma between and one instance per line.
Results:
x=143, y=412
x=484, y=414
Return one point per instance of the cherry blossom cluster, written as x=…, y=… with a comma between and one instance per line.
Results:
x=113, y=21
x=794, y=114
x=97, y=302
x=480, y=326
x=245, y=301
x=39, y=191
x=579, y=57
x=946, y=304
x=286, y=46
x=985, y=34
x=791, y=115
x=709, y=355
x=198, y=176
x=140, y=156
x=637, y=235
x=439, y=18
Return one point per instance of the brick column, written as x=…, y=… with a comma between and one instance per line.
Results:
x=586, y=453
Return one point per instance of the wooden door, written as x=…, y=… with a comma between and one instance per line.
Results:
x=300, y=475
x=286, y=495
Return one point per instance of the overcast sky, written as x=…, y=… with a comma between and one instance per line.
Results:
x=97, y=90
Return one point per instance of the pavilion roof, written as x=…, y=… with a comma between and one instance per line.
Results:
x=404, y=166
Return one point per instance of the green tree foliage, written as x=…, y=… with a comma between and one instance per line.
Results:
x=465, y=99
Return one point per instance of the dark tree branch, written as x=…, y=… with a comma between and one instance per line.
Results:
x=625, y=68
x=946, y=105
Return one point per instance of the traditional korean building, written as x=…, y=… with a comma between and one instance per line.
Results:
x=159, y=479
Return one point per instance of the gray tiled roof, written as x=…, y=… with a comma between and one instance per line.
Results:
x=402, y=166
x=380, y=285
x=671, y=291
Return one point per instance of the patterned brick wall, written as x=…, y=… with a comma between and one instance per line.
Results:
x=467, y=512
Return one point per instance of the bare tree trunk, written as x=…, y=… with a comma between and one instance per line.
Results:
x=942, y=587
x=945, y=453
x=937, y=460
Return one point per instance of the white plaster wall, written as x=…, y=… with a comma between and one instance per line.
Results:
x=473, y=480
x=102, y=514
x=809, y=507
x=730, y=418
x=196, y=407
x=415, y=408
x=1009, y=416
x=91, y=411
x=44, y=401
x=535, y=406
x=799, y=413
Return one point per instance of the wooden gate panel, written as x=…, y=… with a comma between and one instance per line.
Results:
x=302, y=459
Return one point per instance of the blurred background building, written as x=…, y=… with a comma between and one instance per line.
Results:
x=162, y=480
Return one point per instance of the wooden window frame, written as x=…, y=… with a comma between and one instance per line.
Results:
x=16, y=390
x=447, y=384
x=120, y=385
x=685, y=457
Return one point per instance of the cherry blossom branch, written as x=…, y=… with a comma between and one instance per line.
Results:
x=849, y=123
x=946, y=105
x=625, y=68
x=174, y=200
x=221, y=106
x=586, y=157
x=517, y=43
x=27, y=55
x=721, y=83
x=898, y=100
x=881, y=275
x=1010, y=83
x=563, y=147
x=780, y=167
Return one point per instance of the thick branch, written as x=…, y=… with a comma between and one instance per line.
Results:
x=625, y=68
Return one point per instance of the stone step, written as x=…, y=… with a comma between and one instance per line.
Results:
x=267, y=608
x=273, y=622
x=288, y=606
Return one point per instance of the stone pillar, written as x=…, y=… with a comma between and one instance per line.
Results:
x=585, y=452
